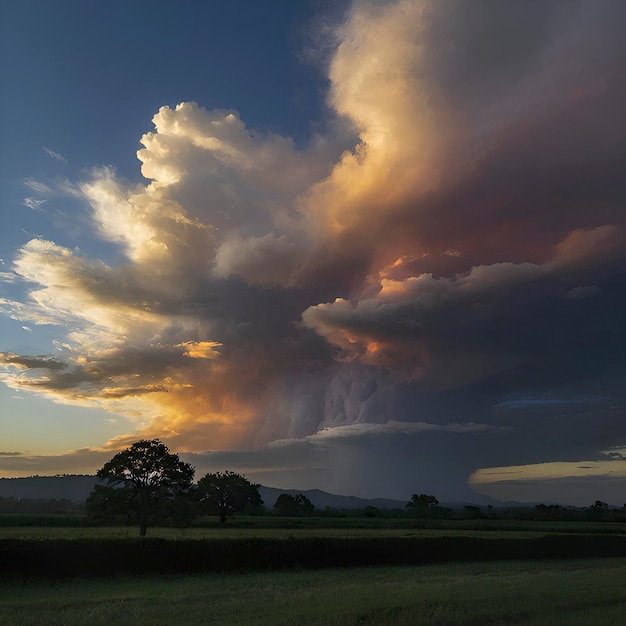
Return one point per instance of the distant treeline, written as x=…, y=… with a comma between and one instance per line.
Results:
x=598, y=512
x=41, y=506
x=34, y=512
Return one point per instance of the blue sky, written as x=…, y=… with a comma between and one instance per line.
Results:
x=98, y=71
x=373, y=247
x=83, y=79
x=82, y=82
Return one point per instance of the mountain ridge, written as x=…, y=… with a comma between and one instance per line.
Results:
x=77, y=487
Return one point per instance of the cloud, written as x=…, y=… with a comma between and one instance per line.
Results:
x=7, y=277
x=84, y=461
x=200, y=349
x=578, y=483
x=526, y=401
x=55, y=155
x=33, y=203
x=482, y=320
x=30, y=362
x=452, y=239
x=393, y=427
x=551, y=470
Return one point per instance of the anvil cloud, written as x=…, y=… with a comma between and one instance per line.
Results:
x=363, y=308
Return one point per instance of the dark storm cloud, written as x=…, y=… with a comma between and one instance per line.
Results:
x=24, y=362
x=76, y=462
x=505, y=316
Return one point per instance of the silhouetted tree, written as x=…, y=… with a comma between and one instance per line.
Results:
x=552, y=512
x=108, y=505
x=227, y=493
x=287, y=505
x=422, y=505
x=472, y=511
x=371, y=511
x=600, y=511
x=143, y=481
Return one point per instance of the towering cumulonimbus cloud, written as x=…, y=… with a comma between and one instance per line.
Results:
x=467, y=248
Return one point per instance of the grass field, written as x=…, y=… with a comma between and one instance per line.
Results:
x=111, y=532
x=270, y=581
x=35, y=526
x=525, y=593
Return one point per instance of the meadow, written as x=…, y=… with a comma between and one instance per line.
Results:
x=525, y=593
x=78, y=525
x=268, y=570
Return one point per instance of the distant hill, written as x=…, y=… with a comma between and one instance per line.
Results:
x=76, y=488
x=322, y=499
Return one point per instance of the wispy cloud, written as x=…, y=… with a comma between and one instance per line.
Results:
x=55, y=155
x=393, y=427
x=580, y=483
x=542, y=401
x=33, y=203
x=84, y=461
x=8, y=277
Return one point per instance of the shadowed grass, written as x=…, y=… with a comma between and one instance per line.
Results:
x=73, y=524
x=68, y=558
x=116, y=532
x=525, y=593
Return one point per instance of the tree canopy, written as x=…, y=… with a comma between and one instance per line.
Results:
x=227, y=493
x=422, y=505
x=142, y=481
x=287, y=505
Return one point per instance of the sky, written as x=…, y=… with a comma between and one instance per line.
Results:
x=371, y=247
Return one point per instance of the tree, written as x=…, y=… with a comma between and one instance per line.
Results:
x=422, y=505
x=472, y=511
x=600, y=511
x=287, y=505
x=108, y=505
x=144, y=481
x=227, y=493
x=371, y=511
x=552, y=512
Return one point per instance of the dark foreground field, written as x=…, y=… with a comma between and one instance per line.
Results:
x=88, y=557
x=475, y=573
x=525, y=593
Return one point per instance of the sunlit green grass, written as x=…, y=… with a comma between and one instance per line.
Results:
x=589, y=592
